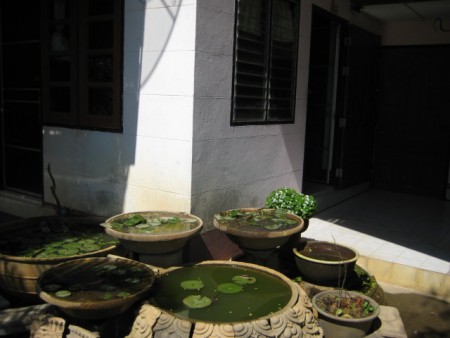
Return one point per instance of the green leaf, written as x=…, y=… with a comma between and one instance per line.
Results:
x=136, y=219
x=244, y=279
x=192, y=284
x=229, y=288
x=197, y=301
x=63, y=293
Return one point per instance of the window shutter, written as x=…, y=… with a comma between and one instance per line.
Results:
x=265, y=61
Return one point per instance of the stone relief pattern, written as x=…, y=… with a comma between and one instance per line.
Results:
x=169, y=326
x=310, y=326
x=79, y=332
x=295, y=321
x=144, y=322
x=47, y=326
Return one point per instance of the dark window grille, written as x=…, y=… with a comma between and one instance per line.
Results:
x=82, y=63
x=265, y=61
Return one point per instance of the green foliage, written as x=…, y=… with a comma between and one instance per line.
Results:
x=292, y=201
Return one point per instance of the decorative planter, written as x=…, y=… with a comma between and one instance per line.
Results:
x=341, y=327
x=219, y=299
x=159, y=237
x=19, y=274
x=249, y=234
x=325, y=263
x=96, y=287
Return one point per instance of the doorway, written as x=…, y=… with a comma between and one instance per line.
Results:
x=324, y=99
x=20, y=115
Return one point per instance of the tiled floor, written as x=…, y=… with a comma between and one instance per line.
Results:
x=400, y=228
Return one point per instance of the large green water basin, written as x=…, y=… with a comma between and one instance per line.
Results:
x=221, y=293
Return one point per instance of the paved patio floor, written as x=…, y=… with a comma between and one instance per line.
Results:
x=400, y=228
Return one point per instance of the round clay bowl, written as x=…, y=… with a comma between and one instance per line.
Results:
x=293, y=317
x=325, y=263
x=98, y=287
x=154, y=243
x=341, y=327
x=19, y=274
x=258, y=238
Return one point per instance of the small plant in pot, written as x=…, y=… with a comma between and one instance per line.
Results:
x=294, y=202
x=343, y=313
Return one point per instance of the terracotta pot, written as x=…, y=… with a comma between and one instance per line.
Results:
x=95, y=288
x=339, y=327
x=19, y=275
x=154, y=243
x=325, y=263
x=257, y=238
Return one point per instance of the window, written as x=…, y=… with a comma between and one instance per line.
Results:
x=82, y=63
x=265, y=60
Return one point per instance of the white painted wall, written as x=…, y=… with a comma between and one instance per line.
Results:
x=238, y=166
x=178, y=151
x=148, y=166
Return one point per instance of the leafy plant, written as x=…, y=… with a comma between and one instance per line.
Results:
x=292, y=201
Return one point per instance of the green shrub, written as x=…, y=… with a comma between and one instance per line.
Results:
x=292, y=201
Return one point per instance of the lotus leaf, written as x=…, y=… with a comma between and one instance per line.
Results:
x=107, y=296
x=244, y=279
x=197, y=301
x=229, y=288
x=136, y=219
x=123, y=294
x=273, y=226
x=63, y=293
x=192, y=284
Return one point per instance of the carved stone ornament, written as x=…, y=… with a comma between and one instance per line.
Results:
x=47, y=326
x=296, y=319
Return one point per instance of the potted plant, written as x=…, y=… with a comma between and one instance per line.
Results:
x=294, y=202
x=345, y=314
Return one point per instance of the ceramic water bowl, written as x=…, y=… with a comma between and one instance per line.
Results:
x=225, y=299
x=97, y=287
x=153, y=232
x=30, y=246
x=325, y=263
x=258, y=229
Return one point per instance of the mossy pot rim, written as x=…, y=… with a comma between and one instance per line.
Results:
x=88, y=310
x=260, y=234
x=26, y=222
x=299, y=253
x=152, y=237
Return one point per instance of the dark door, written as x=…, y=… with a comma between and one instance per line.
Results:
x=21, y=129
x=324, y=95
x=413, y=126
x=355, y=131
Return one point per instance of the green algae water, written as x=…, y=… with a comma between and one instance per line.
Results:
x=220, y=293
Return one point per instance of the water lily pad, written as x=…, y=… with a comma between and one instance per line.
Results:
x=229, y=288
x=136, y=219
x=63, y=293
x=193, y=284
x=197, y=301
x=123, y=294
x=244, y=279
x=107, y=296
x=273, y=226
